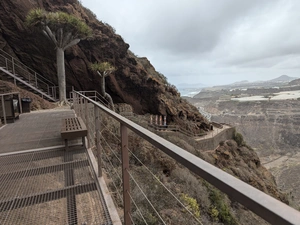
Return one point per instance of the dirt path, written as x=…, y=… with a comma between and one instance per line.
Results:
x=213, y=133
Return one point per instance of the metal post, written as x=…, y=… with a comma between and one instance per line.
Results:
x=81, y=108
x=20, y=104
x=98, y=144
x=6, y=65
x=54, y=92
x=76, y=106
x=13, y=66
x=35, y=79
x=73, y=98
x=125, y=174
x=3, y=109
x=87, y=121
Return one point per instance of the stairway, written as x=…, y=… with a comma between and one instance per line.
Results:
x=14, y=71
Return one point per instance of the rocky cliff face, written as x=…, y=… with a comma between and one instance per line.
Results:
x=269, y=127
x=243, y=162
x=135, y=82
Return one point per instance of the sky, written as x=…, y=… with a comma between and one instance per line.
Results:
x=212, y=42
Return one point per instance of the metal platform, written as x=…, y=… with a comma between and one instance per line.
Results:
x=40, y=182
x=50, y=187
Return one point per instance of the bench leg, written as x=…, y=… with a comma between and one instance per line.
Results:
x=83, y=141
x=66, y=144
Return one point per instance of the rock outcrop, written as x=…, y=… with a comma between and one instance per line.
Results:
x=135, y=81
x=243, y=162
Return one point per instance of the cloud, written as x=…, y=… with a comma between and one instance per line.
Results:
x=213, y=41
x=266, y=35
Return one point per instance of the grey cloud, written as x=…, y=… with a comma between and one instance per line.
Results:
x=193, y=27
x=209, y=41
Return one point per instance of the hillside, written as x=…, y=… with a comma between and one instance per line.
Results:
x=135, y=81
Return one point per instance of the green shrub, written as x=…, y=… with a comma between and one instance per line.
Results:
x=220, y=206
x=239, y=139
x=214, y=213
x=191, y=204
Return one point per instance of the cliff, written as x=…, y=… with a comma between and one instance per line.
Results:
x=135, y=82
x=243, y=162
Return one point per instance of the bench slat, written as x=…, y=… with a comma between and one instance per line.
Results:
x=73, y=128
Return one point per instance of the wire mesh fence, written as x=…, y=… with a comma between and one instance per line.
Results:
x=152, y=187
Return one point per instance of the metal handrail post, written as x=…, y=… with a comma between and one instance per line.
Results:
x=74, y=103
x=87, y=120
x=20, y=104
x=98, y=143
x=13, y=65
x=3, y=109
x=13, y=70
x=125, y=174
x=6, y=65
x=77, y=103
x=35, y=79
x=81, y=107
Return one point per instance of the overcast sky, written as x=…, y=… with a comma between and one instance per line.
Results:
x=209, y=41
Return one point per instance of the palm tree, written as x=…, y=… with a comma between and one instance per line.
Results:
x=104, y=69
x=64, y=30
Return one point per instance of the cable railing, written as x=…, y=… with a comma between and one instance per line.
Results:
x=161, y=126
x=28, y=75
x=96, y=96
x=117, y=142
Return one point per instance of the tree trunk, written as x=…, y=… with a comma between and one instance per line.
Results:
x=110, y=101
x=61, y=75
x=106, y=96
x=102, y=84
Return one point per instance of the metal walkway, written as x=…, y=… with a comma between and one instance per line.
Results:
x=47, y=186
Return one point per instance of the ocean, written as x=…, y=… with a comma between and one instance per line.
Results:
x=189, y=92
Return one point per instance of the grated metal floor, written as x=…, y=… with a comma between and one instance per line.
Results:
x=50, y=187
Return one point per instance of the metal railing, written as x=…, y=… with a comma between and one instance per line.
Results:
x=267, y=207
x=31, y=77
x=96, y=96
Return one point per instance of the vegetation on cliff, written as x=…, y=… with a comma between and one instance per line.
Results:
x=104, y=69
x=204, y=201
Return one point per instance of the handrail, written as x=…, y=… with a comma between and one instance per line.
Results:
x=28, y=75
x=267, y=207
x=96, y=95
x=23, y=65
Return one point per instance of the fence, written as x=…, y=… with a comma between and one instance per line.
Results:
x=29, y=76
x=270, y=209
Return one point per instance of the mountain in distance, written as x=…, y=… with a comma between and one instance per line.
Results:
x=281, y=80
x=241, y=82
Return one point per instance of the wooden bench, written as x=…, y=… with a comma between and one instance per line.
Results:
x=73, y=128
